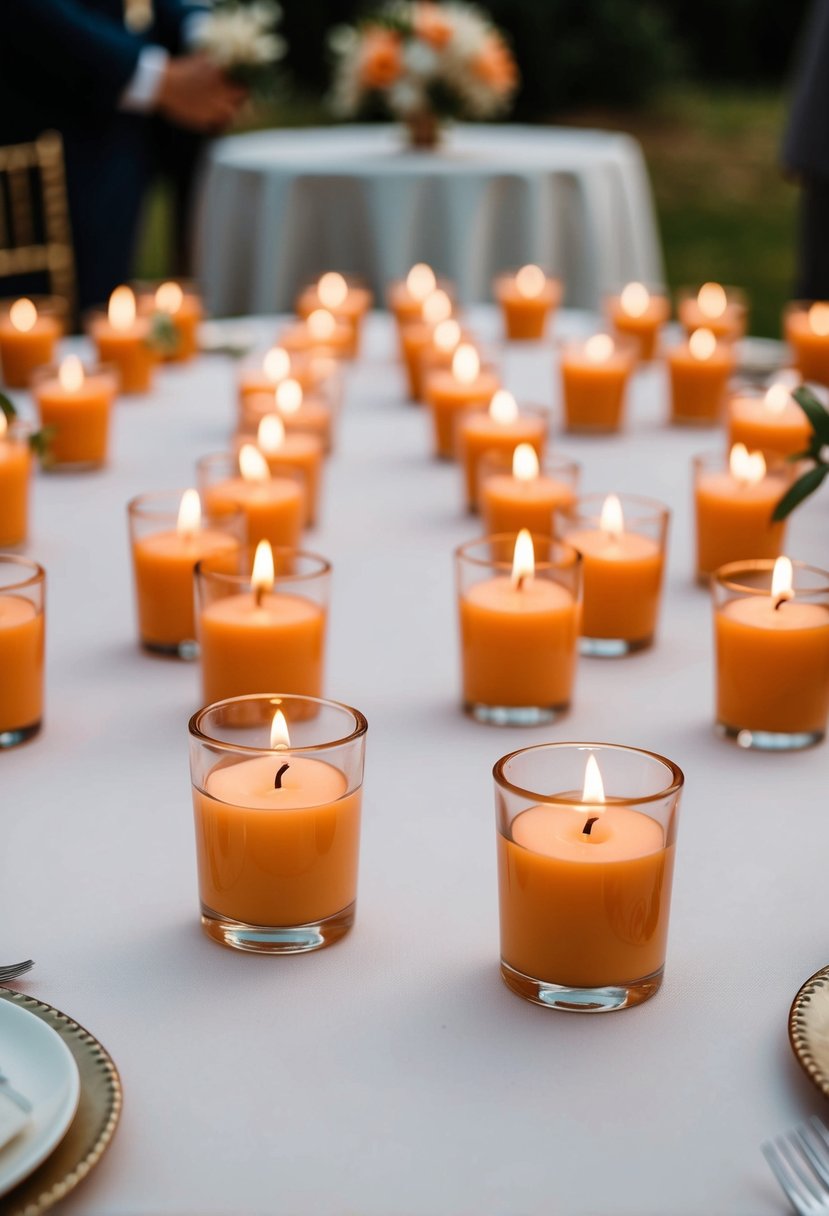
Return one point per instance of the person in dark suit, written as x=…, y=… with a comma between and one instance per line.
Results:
x=806, y=154
x=104, y=73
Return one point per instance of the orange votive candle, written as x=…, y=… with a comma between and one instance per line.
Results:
x=417, y=337
x=293, y=452
x=734, y=501
x=22, y=587
x=123, y=339
x=449, y=393
x=347, y=300
x=806, y=329
x=639, y=314
x=528, y=298
x=182, y=305
x=28, y=337
x=723, y=310
x=319, y=334
x=496, y=433
x=15, y=480
x=406, y=297
x=75, y=403
x=517, y=493
x=770, y=422
x=594, y=377
x=274, y=507
x=311, y=372
x=306, y=413
x=699, y=371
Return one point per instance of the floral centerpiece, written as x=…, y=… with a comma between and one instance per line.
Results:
x=240, y=37
x=424, y=62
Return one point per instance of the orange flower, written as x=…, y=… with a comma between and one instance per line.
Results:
x=381, y=62
x=431, y=25
x=495, y=66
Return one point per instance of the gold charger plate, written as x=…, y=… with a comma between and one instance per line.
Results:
x=809, y=1028
x=93, y=1127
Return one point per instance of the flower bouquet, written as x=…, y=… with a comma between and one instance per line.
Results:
x=424, y=62
x=240, y=37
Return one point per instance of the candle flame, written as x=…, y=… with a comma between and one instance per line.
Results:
x=819, y=319
x=420, y=281
x=635, y=299
x=321, y=324
x=70, y=374
x=277, y=364
x=466, y=364
x=702, y=344
x=782, y=580
x=777, y=398
x=523, y=559
x=121, y=310
x=612, y=520
x=712, y=300
x=332, y=289
x=525, y=462
x=447, y=335
x=252, y=464
x=189, y=513
x=4, y=425
x=289, y=396
x=503, y=408
x=599, y=348
x=593, y=788
x=280, y=738
x=748, y=468
x=270, y=434
x=530, y=281
x=23, y=315
x=261, y=579
x=169, y=298
x=436, y=307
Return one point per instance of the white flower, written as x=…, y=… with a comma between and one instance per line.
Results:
x=421, y=60
x=241, y=36
x=342, y=39
x=405, y=97
x=469, y=31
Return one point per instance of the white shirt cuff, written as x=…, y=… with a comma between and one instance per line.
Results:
x=142, y=90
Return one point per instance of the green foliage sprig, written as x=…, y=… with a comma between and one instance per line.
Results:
x=817, y=452
x=40, y=442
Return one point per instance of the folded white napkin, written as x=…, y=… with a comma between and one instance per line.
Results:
x=13, y=1118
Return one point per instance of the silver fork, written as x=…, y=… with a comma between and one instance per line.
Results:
x=800, y=1162
x=13, y=970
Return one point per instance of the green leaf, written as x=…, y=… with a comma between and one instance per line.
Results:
x=802, y=488
x=164, y=335
x=40, y=443
x=815, y=412
x=8, y=408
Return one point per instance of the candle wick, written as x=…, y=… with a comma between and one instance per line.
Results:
x=782, y=599
x=277, y=781
x=588, y=827
x=519, y=584
x=258, y=593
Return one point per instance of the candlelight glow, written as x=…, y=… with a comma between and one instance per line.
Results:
x=777, y=398
x=261, y=579
x=523, y=559
x=420, y=281
x=252, y=464
x=332, y=289
x=530, y=282
x=466, y=364
x=593, y=788
x=189, y=513
x=599, y=348
x=612, y=520
x=280, y=738
x=525, y=465
x=782, y=580
x=436, y=307
x=70, y=374
x=819, y=319
x=121, y=310
x=23, y=315
x=277, y=364
x=321, y=324
x=270, y=434
x=289, y=396
x=712, y=300
x=169, y=298
x=635, y=299
x=503, y=408
x=702, y=344
x=4, y=425
x=447, y=335
x=748, y=468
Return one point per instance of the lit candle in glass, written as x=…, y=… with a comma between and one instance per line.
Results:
x=699, y=371
x=28, y=337
x=734, y=500
x=466, y=385
x=768, y=421
x=75, y=404
x=806, y=328
x=528, y=297
x=495, y=432
x=639, y=314
x=594, y=377
x=723, y=310
x=123, y=338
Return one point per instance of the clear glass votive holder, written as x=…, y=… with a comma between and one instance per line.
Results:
x=639, y=311
x=277, y=819
x=178, y=302
x=723, y=310
x=528, y=298
x=595, y=373
x=585, y=873
x=16, y=464
x=482, y=436
x=509, y=503
x=75, y=413
x=733, y=515
x=261, y=373
x=518, y=631
x=22, y=643
x=806, y=330
x=164, y=556
x=275, y=506
x=772, y=656
x=622, y=570
x=315, y=414
x=30, y=328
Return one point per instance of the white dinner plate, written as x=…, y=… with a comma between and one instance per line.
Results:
x=40, y=1066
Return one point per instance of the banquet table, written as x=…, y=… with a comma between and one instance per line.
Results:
x=277, y=207
x=394, y=1073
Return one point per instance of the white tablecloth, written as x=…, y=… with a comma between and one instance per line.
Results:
x=394, y=1073
x=279, y=207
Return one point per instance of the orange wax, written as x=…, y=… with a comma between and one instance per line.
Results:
x=15, y=479
x=622, y=584
x=644, y=327
x=811, y=350
x=350, y=312
x=23, y=351
x=277, y=857
x=594, y=393
x=734, y=520
x=699, y=387
x=751, y=422
x=274, y=510
x=248, y=647
x=772, y=665
x=526, y=317
x=163, y=565
x=298, y=339
x=308, y=372
x=508, y=504
x=730, y=326
x=479, y=434
x=302, y=452
x=415, y=340
x=313, y=417
x=128, y=349
x=518, y=645
x=448, y=397
x=187, y=318
x=21, y=663
x=80, y=418
x=586, y=911
x=406, y=307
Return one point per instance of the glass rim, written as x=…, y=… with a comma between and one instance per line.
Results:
x=100, y=312
x=676, y=784
x=352, y=278
x=142, y=506
x=212, y=459
x=195, y=729
x=803, y=305
x=653, y=508
x=655, y=290
x=51, y=371
x=491, y=563
x=719, y=460
x=551, y=278
x=499, y=463
x=45, y=303
x=623, y=344
x=723, y=576
x=150, y=286
x=238, y=579
x=38, y=574
x=734, y=293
